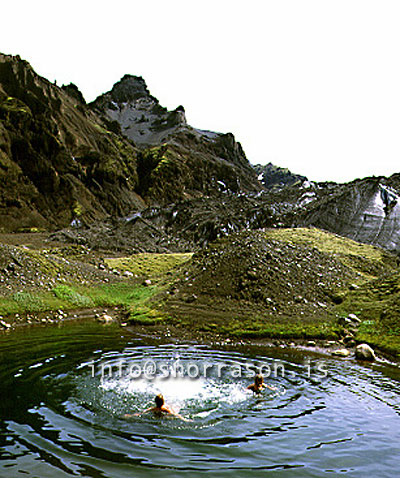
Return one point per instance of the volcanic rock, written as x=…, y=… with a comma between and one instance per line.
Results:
x=365, y=352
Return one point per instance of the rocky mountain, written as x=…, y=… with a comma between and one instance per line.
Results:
x=139, y=114
x=124, y=172
x=59, y=162
x=272, y=176
x=65, y=162
x=198, y=162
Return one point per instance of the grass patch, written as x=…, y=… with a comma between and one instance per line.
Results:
x=377, y=304
x=261, y=327
x=119, y=294
x=147, y=264
x=132, y=297
x=28, y=301
x=22, y=302
x=71, y=296
x=378, y=301
x=297, y=330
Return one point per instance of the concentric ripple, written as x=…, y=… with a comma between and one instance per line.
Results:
x=65, y=392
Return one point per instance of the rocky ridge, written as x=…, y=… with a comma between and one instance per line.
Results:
x=65, y=162
x=272, y=176
x=197, y=162
x=366, y=211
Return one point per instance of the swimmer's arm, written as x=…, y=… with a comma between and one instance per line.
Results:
x=128, y=415
x=176, y=414
x=274, y=389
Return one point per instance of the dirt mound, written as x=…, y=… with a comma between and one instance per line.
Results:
x=272, y=276
x=23, y=269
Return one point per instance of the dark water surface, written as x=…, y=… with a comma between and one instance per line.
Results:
x=60, y=410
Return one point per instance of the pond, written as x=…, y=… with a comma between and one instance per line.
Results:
x=65, y=390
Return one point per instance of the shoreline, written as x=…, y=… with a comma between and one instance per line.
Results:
x=182, y=335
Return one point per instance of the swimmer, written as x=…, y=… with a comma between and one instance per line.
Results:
x=159, y=410
x=258, y=386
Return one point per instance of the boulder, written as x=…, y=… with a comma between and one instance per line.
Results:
x=4, y=324
x=354, y=318
x=341, y=353
x=349, y=341
x=345, y=321
x=106, y=319
x=191, y=298
x=365, y=352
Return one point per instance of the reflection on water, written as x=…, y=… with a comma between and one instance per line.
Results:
x=61, y=414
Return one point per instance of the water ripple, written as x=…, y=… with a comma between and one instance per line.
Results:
x=61, y=419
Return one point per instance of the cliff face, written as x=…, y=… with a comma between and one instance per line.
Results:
x=197, y=162
x=58, y=161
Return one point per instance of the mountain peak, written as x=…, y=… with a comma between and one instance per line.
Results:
x=140, y=114
x=129, y=88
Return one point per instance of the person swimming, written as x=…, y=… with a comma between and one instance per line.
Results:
x=159, y=410
x=258, y=386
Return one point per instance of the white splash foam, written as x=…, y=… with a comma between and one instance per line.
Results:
x=179, y=389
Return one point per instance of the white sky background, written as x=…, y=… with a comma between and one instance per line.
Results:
x=312, y=85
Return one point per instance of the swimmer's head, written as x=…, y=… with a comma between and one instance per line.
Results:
x=258, y=379
x=159, y=400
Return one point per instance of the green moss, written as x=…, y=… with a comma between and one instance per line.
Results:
x=164, y=162
x=77, y=209
x=147, y=264
x=146, y=316
x=45, y=264
x=100, y=129
x=381, y=341
x=14, y=105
